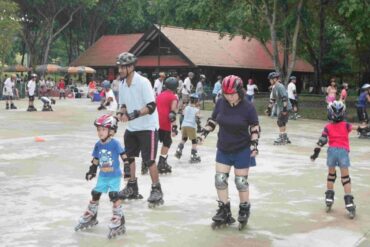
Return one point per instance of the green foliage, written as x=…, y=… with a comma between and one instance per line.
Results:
x=9, y=28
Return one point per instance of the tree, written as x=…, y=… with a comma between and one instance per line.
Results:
x=9, y=28
x=275, y=23
x=43, y=21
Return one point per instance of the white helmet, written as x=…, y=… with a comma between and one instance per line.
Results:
x=365, y=86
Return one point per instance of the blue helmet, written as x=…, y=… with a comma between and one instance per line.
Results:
x=336, y=111
x=106, y=84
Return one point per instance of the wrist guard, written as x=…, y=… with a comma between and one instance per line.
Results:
x=92, y=172
x=133, y=115
x=316, y=153
x=254, y=144
x=174, y=129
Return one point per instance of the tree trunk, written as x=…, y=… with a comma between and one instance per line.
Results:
x=321, y=44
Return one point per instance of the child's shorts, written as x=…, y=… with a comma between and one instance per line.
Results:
x=188, y=132
x=239, y=160
x=106, y=184
x=338, y=157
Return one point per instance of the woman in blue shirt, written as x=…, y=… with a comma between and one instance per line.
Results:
x=236, y=146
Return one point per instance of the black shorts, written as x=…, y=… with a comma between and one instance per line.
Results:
x=282, y=119
x=145, y=141
x=165, y=137
x=362, y=114
x=293, y=102
x=31, y=98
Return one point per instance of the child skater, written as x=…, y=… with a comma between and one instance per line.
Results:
x=189, y=129
x=105, y=156
x=336, y=133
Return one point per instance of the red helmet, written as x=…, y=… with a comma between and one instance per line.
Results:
x=232, y=84
x=107, y=121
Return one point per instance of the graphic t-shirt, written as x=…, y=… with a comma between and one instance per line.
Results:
x=108, y=156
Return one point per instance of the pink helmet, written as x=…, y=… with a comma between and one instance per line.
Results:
x=107, y=121
x=232, y=84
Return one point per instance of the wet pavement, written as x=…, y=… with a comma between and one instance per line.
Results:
x=43, y=191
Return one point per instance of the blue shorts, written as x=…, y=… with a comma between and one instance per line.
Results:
x=239, y=160
x=338, y=157
x=250, y=97
x=105, y=184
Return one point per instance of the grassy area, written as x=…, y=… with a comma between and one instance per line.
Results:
x=313, y=107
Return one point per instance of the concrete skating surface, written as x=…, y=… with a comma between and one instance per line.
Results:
x=43, y=190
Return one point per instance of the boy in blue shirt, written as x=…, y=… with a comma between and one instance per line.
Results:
x=105, y=156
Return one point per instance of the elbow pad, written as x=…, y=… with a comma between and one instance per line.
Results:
x=151, y=107
x=255, y=129
x=211, y=123
x=322, y=140
x=172, y=116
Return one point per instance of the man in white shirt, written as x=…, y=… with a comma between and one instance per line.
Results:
x=158, y=84
x=31, y=87
x=292, y=95
x=138, y=108
x=9, y=85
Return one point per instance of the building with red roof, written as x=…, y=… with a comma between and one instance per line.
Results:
x=182, y=50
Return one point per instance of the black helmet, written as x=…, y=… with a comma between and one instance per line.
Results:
x=273, y=75
x=126, y=58
x=292, y=78
x=336, y=111
x=171, y=83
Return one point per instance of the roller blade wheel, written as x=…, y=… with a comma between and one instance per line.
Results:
x=221, y=224
x=194, y=161
x=135, y=197
x=178, y=155
x=279, y=143
x=155, y=204
x=162, y=171
x=242, y=225
x=116, y=231
x=84, y=226
x=352, y=214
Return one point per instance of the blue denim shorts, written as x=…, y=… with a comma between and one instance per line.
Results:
x=106, y=184
x=338, y=157
x=239, y=160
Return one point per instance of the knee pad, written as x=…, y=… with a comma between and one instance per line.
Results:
x=332, y=177
x=194, y=141
x=241, y=183
x=149, y=163
x=221, y=180
x=128, y=161
x=113, y=196
x=95, y=195
x=346, y=180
